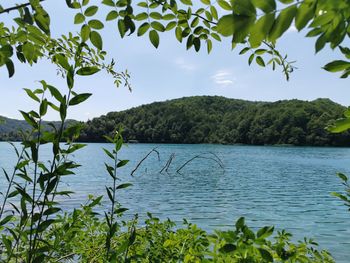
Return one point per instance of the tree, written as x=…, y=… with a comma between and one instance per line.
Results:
x=254, y=25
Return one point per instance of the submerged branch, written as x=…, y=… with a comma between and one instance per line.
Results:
x=168, y=163
x=144, y=158
x=202, y=156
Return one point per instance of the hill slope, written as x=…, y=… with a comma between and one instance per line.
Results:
x=10, y=129
x=212, y=119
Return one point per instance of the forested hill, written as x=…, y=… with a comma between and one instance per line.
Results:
x=207, y=119
x=10, y=129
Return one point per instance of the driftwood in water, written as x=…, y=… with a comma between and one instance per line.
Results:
x=144, y=158
x=202, y=156
x=168, y=163
x=207, y=155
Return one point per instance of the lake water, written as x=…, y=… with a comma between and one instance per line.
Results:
x=288, y=187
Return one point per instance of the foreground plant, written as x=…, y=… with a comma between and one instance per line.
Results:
x=33, y=226
x=80, y=237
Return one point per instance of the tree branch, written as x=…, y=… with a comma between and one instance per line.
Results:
x=138, y=165
x=13, y=8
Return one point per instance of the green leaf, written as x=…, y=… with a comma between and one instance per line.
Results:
x=96, y=39
x=283, y=22
x=96, y=24
x=30, y=120
x=320, y=43
x=43, y=107
x=337, y=65
x=260, y=61
x=339, y=125
x=121, y=28
x=186, y=2
x=304, y=14
x=32, y=95
x=122, y=163
x=266, y=6
x=206, y=2
x=243, y=7
x=157, y=26
x=170, y=25
x=42, y=20
x=224, y=5
x=112, y=15
x=122, y=186
x=63, y=109
x=228, y=248
x=85, y=32
x=240, y=223
x=178, y=33
x=108, y=153
x=6, y=220
x=91, y=10
x=55, y=93
x=108, y=3
x=79, y=18
x=51, y=210
x=237, y=26
x=343, y=177
x=209, y=45
x=154, y=38
x=225, y=25
x=266, y=255
x=87, y=71
x=141, y=16
x=79, y=98
x=10, y=68
x=45, y=224
x=143, y=29
x=155, y=15
x=28, y=51
x=265, y=232
x=261, y=29
x=62, y=61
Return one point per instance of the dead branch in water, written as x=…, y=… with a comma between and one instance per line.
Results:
x=202, y=156
x=167, y=165
x=144, y=158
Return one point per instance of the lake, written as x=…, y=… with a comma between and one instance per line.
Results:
x=288, y=187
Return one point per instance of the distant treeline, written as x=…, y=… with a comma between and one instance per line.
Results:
x=13, y=130
x=208, y=119
x=212, y=119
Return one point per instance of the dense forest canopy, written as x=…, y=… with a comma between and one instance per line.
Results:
x=207, y=119
x=213, y=119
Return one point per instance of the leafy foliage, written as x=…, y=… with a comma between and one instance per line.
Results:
x=32, y=228
x=221, y=120
x=345, y=197
x=254, y=25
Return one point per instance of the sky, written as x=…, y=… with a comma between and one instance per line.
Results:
x=171, y=72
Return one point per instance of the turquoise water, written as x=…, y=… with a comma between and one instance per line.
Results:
x=288, y=187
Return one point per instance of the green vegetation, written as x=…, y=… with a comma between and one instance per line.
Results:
x=220, y=120
x=13, y=130
x=214, y=120
x=33, y=227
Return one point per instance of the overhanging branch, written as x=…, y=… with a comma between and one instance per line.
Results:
x=13, y=8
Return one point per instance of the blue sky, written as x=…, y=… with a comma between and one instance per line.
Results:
x=173, y=72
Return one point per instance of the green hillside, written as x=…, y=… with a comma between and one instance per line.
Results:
x=10, y=129
x=212, y=119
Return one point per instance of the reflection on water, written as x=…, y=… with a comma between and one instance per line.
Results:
x=288, y=187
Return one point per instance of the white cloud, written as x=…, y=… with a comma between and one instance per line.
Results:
x=185, y=65
x=223, y=78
